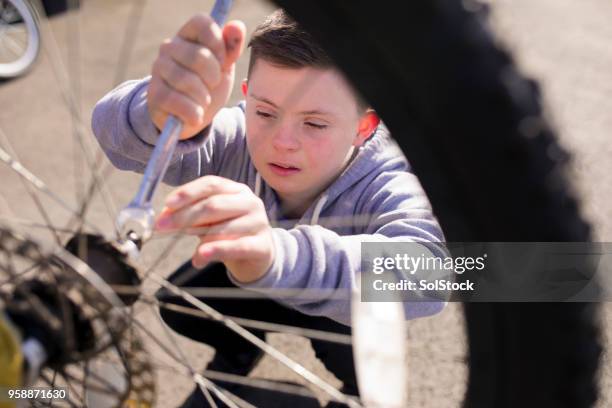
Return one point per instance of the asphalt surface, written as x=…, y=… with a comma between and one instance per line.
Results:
x=566, y=45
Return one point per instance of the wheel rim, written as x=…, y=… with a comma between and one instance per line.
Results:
x=19, y=39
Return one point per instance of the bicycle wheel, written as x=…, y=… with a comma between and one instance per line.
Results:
x=19, y=38
x=473, y=128
x=44, y=217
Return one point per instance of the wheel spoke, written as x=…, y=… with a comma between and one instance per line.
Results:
x=14, y=46
x=261, y=325
x=173, y=340
x=161, y=258
x=262, y=345
x=4, y=51
x=239, y=293
x=14, y=29
x=96, y=184
x=195, y=376
x=51, y=382
x=28, y=176
x=261, y=383
x=32, y=224
x=15, y=275
x=84, y=384
x=127, y=46
x=99, y=386
x=73, y=391
x=328, y=221
x=128, y=41
x=72, y=102
x=74, y=72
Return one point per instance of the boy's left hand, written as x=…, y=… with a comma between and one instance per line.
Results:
x=230, y=220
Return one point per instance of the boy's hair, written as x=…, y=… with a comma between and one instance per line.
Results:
x=281, y=41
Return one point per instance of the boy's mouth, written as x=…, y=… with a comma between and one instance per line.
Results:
x=283, y=169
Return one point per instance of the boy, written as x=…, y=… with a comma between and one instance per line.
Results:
x=301, y=147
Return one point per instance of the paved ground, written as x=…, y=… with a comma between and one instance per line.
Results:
x=565, y=44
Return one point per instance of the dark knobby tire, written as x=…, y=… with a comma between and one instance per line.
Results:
x=473, y=129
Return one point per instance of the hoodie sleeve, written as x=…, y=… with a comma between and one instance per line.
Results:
x=123, y=127
x=314, y=257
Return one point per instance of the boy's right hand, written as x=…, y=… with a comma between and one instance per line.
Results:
x=193, y=75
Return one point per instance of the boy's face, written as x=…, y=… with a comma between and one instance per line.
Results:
x=302, y=125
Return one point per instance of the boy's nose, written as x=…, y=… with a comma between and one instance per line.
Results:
x=285, y=139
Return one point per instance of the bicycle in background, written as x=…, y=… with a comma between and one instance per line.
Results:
x=20, y=34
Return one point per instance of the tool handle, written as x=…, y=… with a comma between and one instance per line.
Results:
x=169, y=137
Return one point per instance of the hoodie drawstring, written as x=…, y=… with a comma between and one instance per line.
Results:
x=257, y=184
x=315, y=213
x=314, y=220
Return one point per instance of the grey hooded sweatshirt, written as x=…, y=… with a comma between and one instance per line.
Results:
x=376, y=199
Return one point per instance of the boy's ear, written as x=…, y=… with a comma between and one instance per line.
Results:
x=245, y=87
x=367, y=125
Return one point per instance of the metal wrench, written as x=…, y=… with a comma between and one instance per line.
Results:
x=135, y=222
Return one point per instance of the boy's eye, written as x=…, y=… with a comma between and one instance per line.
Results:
x=263, y=114
x=315, y=125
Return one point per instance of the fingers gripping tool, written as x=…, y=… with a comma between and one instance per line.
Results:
x=135, y=222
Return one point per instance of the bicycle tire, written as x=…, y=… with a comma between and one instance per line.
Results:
x=54, y=7
x=438, y=78
x=26, y=60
